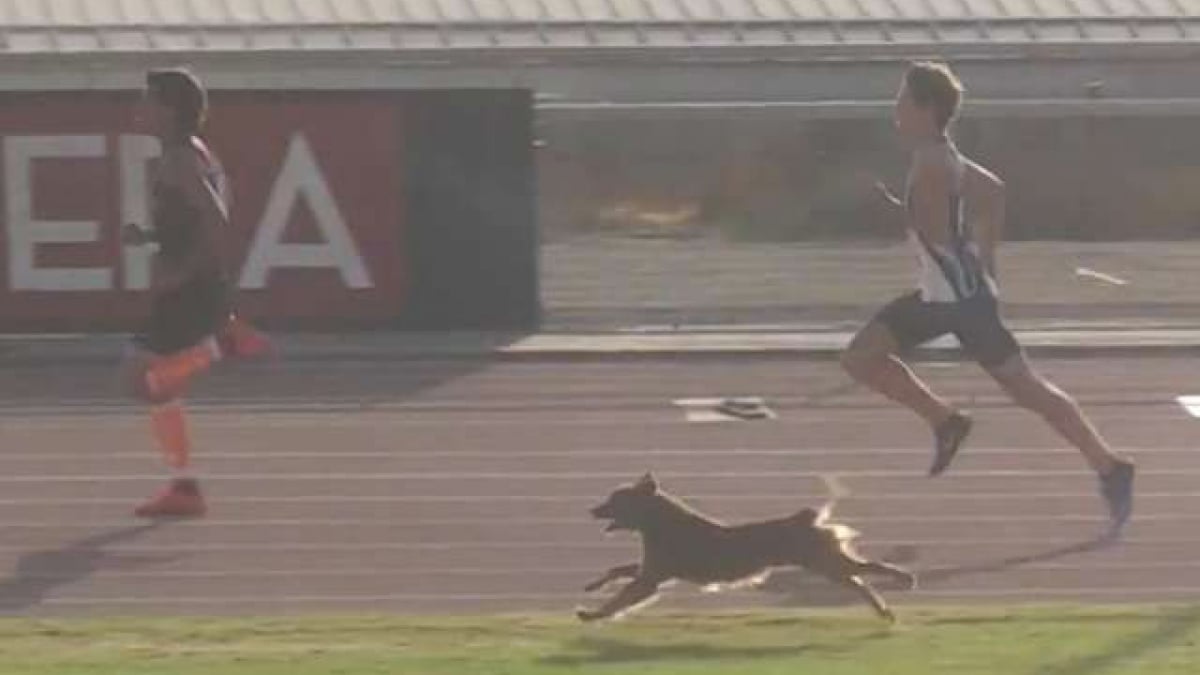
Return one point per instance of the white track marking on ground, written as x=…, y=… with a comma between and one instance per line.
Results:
x=703, y=410
x=474, y=498
x=712, y=402
x=278, y=477
x=1191, y=404
x=596, y=453
x=339, y=571
x=705, y=416
x=342, y=547
x=1088, y=273
x=411, y=523
x=729, y=601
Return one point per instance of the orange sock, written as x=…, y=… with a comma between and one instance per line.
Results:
x=170, y=430
x=167, y=374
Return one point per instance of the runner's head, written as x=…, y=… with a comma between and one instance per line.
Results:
x=928, y=100
x=176, y=103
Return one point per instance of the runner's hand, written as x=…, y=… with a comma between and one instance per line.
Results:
x=887, y=195
x=133, y=235
x=868, y=182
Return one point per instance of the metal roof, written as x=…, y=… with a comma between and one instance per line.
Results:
x=139, y=26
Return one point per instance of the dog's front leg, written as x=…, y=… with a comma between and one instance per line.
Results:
x=864, y=589
x=618, y=572
x=889, y=570
x=635, y=592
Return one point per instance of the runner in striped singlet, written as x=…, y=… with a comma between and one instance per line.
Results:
x=952, y=213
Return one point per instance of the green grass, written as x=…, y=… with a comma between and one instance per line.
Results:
x=1025, y=641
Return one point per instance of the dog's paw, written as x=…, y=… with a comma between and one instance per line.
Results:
x=594, y=586
x=912, y=582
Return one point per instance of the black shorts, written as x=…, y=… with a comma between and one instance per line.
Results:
x=975, y=322
x=185, y=316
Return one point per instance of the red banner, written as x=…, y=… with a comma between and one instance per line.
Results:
x=316, y=187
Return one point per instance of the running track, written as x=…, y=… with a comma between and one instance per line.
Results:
x=464, y=486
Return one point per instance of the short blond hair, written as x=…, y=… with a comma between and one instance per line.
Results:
x=934, y=85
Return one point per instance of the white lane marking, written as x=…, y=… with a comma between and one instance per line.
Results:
x=708, y=409
x=401, y=572
x=440, y=454
x=277, y=477
x=704, y=416
x=1191, y=404
x=327, y=501
x=703, y=410
x=416, y=523
x=712, y=402
x=350, y=547
x=1088, y=273
x=1031, y=595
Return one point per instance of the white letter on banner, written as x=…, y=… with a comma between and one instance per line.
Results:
x=135, y=153
x=301, y=177
x=25, y=233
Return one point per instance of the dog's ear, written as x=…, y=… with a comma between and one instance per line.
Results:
x=647, y=483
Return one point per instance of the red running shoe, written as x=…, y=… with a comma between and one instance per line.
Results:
x=180, y=499
x=239, y=340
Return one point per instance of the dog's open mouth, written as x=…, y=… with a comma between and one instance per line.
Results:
x=610, y=522
x=608, y=515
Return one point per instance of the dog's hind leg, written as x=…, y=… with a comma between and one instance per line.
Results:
x=633, y=594
x=888, y=570
x=618, y=572
x=864, y=589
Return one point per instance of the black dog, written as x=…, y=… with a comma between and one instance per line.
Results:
x=679, y=543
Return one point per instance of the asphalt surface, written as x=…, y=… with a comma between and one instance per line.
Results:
x=463, y=485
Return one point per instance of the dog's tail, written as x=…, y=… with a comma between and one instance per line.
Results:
x=836, y=492
x=819, y=518
x=816, y=517
x=842, y=533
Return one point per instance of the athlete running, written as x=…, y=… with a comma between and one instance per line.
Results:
x=952, y=212
x=191, y=323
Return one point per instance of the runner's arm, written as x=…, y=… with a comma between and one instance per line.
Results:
x=184, y=171
x=987, y=190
